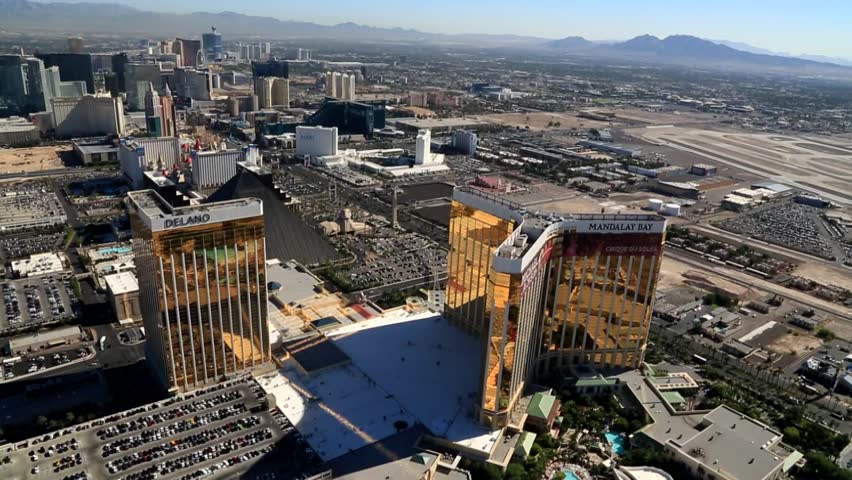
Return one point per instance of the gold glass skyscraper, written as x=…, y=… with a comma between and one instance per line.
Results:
x=546, y=292
x=202, y=281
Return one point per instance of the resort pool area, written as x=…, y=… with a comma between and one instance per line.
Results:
x=115, y=250
x=616, y=441
x=570, y=475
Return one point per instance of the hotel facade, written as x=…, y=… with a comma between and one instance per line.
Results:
x=546, y=292
x=202, y=282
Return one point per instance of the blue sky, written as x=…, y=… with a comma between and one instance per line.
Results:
x=822, y=27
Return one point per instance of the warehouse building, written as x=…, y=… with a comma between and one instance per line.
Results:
x=92, y=151
x=677, y=189
x=17, y=131
x=611, y=148
x=39, y=264
x=38, y=341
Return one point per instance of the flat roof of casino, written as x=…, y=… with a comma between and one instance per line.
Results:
x=155, y=210
x=414, y=378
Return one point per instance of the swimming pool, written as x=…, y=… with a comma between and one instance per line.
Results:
x=113, y=250
x=617, y=442
x=569, y=475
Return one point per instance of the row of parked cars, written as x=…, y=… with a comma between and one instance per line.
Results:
x=236, y=460
x=148, y=421
x=149, y=436
x=209, y=453
x=57, y=449
x=170, y=446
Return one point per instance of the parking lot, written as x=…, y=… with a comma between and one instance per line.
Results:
x=37, y=362
x=790, y=225
x=218, y=432
x=37, y=300
x=27, y=205
x=391, y=259
x=26, y=244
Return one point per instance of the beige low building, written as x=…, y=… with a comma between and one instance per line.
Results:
x=124, y=291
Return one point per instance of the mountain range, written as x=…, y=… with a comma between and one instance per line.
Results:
x=846, y=62
x=686, y=49
x=25, y=16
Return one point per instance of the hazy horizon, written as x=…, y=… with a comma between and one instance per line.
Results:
x=787, y=26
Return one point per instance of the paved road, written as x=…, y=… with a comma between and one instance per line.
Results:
x=52, y=173
x=117, y=354
x=70, y=211
x=746, y=280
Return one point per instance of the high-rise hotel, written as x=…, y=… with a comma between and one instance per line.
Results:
x=202, y=280
x=544, y=291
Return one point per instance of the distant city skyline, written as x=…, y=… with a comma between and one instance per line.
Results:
x=787, y=26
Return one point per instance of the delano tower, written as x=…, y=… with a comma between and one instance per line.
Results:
x=544, y=291
x=202, y=281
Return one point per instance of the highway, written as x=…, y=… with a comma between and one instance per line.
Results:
x=49, y=173
x=751, y=281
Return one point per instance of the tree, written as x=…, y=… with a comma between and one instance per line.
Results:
x=825, y=334
x=621, y=424
x=820, y=467
x=481, y=471
x=535, y=450
x=792, y=435
x=515, y=471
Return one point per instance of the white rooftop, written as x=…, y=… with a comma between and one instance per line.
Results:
x=124, y=282
x=337, y=411
x=38, y=264
x=643, y=473
x=430, y=367
x=425, y=371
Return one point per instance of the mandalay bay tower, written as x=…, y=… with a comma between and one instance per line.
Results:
x=202, y=282
x=545, y=292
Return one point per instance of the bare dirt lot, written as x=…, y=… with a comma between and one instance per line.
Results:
x=34, y=159
x=841, y=328
x=659, y=118
x=540, y=121
x=792, y=344
x=674, y=273
x=826, y=274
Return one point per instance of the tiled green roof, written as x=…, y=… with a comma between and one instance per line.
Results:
x=792, y=460
x=525, y=444
x=595, y=382
x=673, y=398
x=541, y=405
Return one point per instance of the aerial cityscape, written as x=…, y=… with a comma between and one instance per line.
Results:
x=239, y=246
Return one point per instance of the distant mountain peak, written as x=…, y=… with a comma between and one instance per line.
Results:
x=570, y=42
x=690, y=50
x=58, y=18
